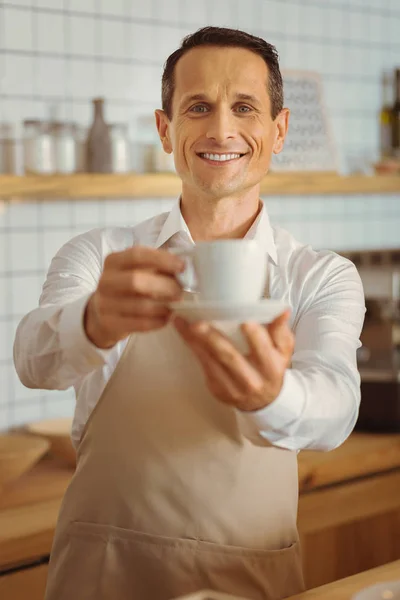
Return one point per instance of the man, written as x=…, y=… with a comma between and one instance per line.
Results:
x=187, y=450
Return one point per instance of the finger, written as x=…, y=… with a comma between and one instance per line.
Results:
x=224, y=353
x=142, y=324
x=262, y=350
x=134, y=307
x=140, y=282
x=219, y=380
x=121, y=327
x=281, y=334
x=280, y=320
x=146, y=257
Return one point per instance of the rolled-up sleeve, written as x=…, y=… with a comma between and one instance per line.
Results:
x=318, y=405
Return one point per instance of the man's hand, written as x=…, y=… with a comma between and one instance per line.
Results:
x=247, y=382
x=133, y=294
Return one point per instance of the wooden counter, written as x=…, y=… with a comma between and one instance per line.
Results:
x=362, y=454
x=346, y=588
x=28, y=513
x=349, y=509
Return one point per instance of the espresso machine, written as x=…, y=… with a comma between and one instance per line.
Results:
x=379, y=356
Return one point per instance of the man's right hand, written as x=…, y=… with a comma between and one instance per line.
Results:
x=133, y=293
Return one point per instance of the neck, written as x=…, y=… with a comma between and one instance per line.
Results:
x=220, y=218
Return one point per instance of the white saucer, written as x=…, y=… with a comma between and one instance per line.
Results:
x=264, y=311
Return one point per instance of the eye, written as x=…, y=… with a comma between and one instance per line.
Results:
x=243, y=108
x=199, y=108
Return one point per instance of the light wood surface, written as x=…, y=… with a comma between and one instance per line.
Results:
x=18, y=453
x=346, y=588
x=48, y=480
x=29, y=584
x=29, y=510
x=27, y=532
x=169, y=185
x=361, y=454
x=351, y=502
x=58, y=433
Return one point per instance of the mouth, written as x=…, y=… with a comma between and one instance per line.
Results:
x=220, y=159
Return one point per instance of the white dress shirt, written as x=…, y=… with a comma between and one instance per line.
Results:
x=319, y=401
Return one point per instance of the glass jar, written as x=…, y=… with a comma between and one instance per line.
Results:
x=9, y=150
x=146, y=137
x=81, y=134
x=45, y=155
x=153, y=158
x=65, y=148
x=163, y=162
x=39, y=156
x=30, y=135
x=120, y=148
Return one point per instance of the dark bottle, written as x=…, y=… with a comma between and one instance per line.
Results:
x=396, y=118
x=99, y=154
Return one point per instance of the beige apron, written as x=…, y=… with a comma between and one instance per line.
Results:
x=171, y=495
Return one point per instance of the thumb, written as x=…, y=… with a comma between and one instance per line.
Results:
x=280, y=333
x=281, y=320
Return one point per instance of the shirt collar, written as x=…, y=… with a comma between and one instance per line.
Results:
x=174, y=223
x=260, y=230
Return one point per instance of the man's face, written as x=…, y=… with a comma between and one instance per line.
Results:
x=221, y=131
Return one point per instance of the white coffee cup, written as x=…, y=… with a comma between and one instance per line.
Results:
x=229, y=271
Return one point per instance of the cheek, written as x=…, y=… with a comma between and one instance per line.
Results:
x=262, y=136
x=179, y=137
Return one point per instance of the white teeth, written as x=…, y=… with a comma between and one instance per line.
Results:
x=220, y=157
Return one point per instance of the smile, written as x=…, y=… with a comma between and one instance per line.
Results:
x=219, y=157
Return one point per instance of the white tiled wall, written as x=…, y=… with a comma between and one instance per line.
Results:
x=58, y=54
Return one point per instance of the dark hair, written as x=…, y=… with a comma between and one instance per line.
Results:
x=222, y=36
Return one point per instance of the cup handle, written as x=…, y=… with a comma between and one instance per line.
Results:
x=182, y=277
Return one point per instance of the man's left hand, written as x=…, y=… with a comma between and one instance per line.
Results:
x=248, y=382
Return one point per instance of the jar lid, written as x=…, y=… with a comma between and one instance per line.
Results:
x=60, y=126
x=32, y=122
x=46, y=127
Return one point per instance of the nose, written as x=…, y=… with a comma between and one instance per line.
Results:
x=221, y=125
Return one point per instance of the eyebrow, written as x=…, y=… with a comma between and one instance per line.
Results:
x=247, y=97
x=201, y=97
x=204, y=98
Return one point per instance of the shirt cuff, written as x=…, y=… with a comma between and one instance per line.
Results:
x=286, y=409
x=74, y=341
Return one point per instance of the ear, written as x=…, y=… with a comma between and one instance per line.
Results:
x=282, y=125
x=163, y=126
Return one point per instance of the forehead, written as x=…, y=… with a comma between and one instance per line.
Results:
x=211, y=69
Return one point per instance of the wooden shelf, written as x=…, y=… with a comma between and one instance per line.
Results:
x=23, y=188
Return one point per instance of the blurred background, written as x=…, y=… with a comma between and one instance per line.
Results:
x=56, y=56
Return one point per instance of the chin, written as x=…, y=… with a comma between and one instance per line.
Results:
x=221, y=189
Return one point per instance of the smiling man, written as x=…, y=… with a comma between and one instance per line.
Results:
x=187, y=449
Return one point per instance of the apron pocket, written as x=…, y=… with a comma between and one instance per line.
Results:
x=118, y=563
x=251, y=573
